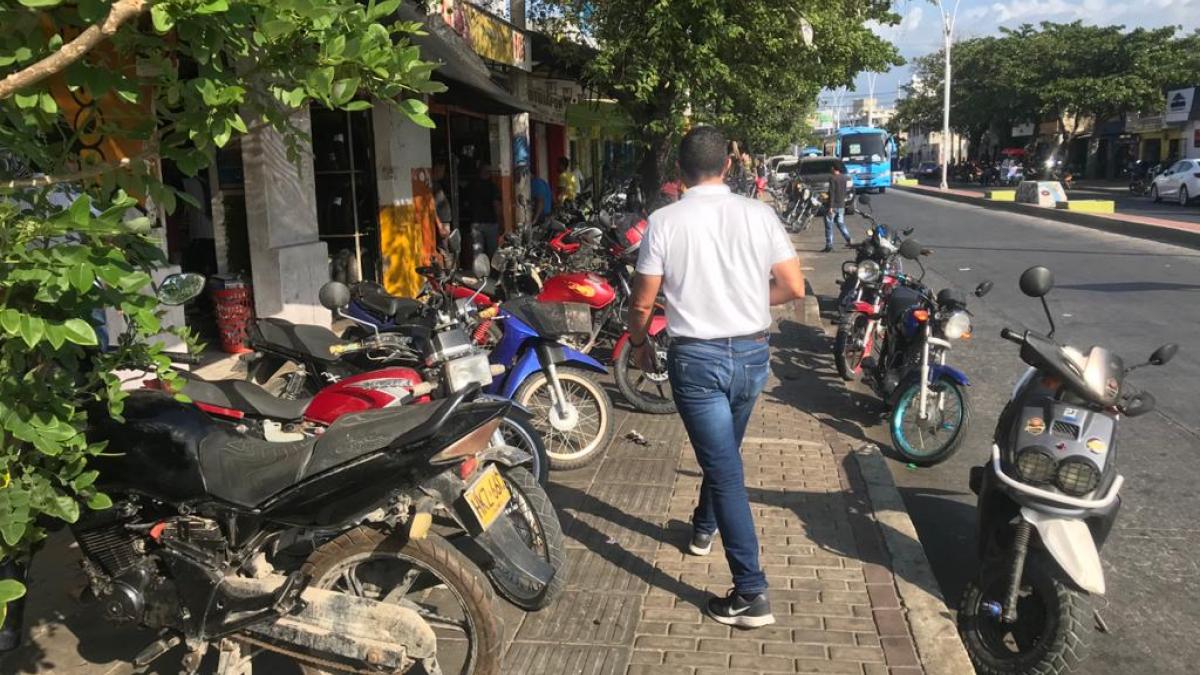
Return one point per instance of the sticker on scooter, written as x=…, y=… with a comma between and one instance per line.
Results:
x=1070, y=415
x=1035, y=426
x=1096, y=445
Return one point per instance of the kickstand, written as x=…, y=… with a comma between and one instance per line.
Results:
x=1100, y=625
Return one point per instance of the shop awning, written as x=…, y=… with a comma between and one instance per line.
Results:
x=462, y=71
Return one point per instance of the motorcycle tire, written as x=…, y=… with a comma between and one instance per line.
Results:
x=628, y=377
x=1058, y=646
x=849, y=334
x=536, y=521
x=805, y=221
x=1154, y=194
x=562, y=453
x=520, y=432
x=941, y=451
x=436, y=557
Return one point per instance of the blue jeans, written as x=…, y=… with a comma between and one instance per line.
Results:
x=715, y=383
x=838, y=215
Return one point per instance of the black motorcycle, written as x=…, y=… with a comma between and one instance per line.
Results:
x=1048, y=498
x=317, y=549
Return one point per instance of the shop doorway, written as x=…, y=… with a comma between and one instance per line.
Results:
x=347, y=203
x=461, y=143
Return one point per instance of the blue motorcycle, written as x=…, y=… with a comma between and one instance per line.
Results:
x=556, y=383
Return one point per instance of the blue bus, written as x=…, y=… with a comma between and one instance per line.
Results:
x=867, y=153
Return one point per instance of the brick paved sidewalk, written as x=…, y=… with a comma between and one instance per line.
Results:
x=634, y=598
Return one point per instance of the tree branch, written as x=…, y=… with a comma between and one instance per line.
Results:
x=122, y=11
x=84, y=174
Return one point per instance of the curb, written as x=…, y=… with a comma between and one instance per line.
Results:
x=1113, y=224
x=940, y=649
x=934, y=633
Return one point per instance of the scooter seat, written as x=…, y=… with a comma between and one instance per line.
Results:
x=283, y=335
x=244, y=396
x=379, y=301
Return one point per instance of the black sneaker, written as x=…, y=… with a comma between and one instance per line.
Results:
x=739, y=611
x=701, y=543
x=827, y=249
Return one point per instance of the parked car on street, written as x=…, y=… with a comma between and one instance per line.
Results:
x=927, y=170
x=1181, y=182
x=777, y=168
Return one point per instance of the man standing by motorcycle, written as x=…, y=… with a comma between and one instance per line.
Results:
x=835, y=212
x=713, y=254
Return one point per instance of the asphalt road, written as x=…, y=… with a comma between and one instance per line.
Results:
x=1127, y=294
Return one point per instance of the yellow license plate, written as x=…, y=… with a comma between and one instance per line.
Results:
x=488, y=496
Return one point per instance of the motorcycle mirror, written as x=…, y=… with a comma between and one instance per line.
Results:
x=983, y=289
x=454, y=242
x=1164, y=354
x=334, y=295
x=908, y=231
x=176, y=289
x=1037, y=281
x=910, y=249
x=1140, y=404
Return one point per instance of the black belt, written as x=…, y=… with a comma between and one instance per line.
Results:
x=683, y=340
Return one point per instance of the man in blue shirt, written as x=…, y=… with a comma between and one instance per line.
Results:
x=543, y=198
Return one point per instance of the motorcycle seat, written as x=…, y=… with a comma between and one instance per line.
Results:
x=313, y=341
x=379, y=301
x=248, y=471
x=244, y=396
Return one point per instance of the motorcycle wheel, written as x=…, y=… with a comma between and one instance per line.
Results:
x=805, y=221
x=570, y=446
x=519, y=431
x=1052, y=632
x=430, y=577
x=534, y=517
x=648, y=392
x=936, y=440
x=848, y=345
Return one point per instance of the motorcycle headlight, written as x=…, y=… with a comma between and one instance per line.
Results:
x=956, y=325
x=1035, y=466
x=868, y=271
x=1077, y=476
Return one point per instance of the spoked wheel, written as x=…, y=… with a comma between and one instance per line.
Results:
x=805, y=221
x=932, y=440
x=647, y=391
x=535, y=520
x=580, y=436
x=519, y=431
x=429, y=577
x=850, y=345
x=1052, y=630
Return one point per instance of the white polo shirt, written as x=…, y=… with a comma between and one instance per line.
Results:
x=714, y=251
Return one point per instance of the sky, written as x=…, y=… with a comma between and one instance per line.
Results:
x=920, y=30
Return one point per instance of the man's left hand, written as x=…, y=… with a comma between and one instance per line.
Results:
x=646, y=357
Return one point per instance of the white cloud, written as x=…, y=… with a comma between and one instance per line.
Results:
x=984, y=19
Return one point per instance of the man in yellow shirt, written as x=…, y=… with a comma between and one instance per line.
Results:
x=568, y=185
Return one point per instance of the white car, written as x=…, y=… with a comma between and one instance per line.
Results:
x=1180, y=182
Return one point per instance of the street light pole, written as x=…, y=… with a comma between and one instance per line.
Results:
x=948, y=35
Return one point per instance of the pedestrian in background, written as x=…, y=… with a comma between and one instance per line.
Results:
x=568, y=186
x=836, y=213
x=713, y=254
x=485, y=212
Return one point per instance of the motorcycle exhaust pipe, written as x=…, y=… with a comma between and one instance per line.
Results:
x=386, y=636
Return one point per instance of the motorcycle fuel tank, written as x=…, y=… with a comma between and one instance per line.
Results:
x=365, y=391
x=590, y=289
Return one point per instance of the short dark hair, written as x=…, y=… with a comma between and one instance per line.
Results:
x=563, y=162
x=702, y=154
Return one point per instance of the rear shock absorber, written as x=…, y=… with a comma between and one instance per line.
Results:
x=481, y=332
x=1020, y=549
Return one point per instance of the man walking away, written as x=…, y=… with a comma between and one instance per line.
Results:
x=836, y=212
x=713, y=254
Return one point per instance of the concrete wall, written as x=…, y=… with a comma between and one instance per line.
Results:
x=406, y=216
x=290, y=262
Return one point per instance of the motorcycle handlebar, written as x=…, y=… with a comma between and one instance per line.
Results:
x=1012, y=336
x=188, y=359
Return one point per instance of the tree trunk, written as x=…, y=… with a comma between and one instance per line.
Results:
x=653, y=168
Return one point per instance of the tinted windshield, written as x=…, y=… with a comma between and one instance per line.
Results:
x=863, y=147
x=818, y=166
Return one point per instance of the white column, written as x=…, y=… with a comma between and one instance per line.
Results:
x=288, y=260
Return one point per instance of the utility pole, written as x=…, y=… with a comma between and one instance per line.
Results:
x=948, y=18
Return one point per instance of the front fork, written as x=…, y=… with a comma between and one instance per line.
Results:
x=923, y=404
x=559, y=398
x=1020, y=549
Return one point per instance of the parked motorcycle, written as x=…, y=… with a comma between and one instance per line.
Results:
x=867, y=282
x=317, y=549
x=1048, y=498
